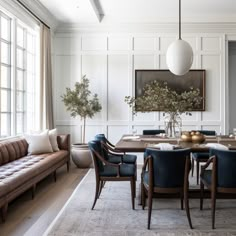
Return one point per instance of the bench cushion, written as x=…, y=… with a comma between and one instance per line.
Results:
x=16, y=173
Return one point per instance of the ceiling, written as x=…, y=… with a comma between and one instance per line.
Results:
x=144, y=11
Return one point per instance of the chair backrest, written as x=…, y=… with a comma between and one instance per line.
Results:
x=168, y=167
x=95, y=146
x=208, y=132
x=225, y=167
x=153, y=131
x=102, y=138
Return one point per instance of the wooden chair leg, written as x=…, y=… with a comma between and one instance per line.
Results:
x=181, y=201
x=213, y=207
x=4, y=212
x=186, y=201
x=33, y=190
x=197, y=170
x=192, y=166
x=143, y=196
x=201, y=194
x=100, y=188
x=98, y=182
x=150, y=193
x=132, y=185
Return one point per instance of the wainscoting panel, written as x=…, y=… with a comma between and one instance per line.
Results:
x=116, y=131
x=144, y=43
x=211, y=43
x=213, y=89
x=95, y=68
x=109, y=61
x=118, y=87
x=66, y=74
x=94, y=43
x=118, y=43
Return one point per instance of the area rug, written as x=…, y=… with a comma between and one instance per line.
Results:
x=113, y=215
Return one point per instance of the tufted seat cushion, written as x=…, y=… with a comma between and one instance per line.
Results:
x=15, y=173
x=125, y=170
x=127, y=158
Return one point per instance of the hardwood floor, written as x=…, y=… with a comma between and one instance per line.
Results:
x=32, y=217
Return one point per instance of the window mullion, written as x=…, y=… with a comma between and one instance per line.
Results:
x=13, y=80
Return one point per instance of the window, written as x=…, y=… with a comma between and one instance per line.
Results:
x=19, y=76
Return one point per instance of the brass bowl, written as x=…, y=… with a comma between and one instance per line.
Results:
x=198, y=138
x=186, y=137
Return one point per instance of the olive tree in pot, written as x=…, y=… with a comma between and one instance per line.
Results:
x=80, y=102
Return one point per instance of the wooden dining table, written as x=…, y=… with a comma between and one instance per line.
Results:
x=138, y=143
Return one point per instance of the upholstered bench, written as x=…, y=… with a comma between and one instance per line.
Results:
x=20, y=171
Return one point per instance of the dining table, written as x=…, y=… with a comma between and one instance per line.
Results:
x=138, y=143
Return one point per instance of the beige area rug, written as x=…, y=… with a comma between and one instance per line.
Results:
x=113, y=215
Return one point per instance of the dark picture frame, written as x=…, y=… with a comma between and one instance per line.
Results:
x=194, y=78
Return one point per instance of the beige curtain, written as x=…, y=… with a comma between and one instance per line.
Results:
x=46, y=100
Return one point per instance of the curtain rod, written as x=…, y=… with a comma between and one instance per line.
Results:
x=24, y=6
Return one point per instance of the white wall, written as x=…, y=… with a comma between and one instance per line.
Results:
x=109, y=61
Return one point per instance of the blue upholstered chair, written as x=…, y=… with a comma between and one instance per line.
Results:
x=107, y=171
x=165, y=172
x=201, y=156
x=112, y=155
x=220, y=179
x=153, y=131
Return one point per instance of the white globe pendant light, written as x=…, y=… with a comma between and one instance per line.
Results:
x=179, y=55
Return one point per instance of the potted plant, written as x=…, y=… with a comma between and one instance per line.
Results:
x=80, y=102
x=159, y=97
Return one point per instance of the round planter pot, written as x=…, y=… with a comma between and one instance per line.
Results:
x=81, y=155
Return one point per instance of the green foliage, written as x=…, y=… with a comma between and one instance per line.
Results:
x=80, y=102
x=159, y=97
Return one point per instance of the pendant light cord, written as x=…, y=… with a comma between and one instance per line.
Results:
x=179, y=19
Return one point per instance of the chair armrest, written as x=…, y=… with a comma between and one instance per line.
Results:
x=111, y=150
x=107, y=162
x=145, y=164
x=110, y=144
x=209, y=161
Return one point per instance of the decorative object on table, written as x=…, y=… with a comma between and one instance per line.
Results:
x=193, y=136
x=159, y=97
x=173, y=125
x=179, y=55
x=197, y=137
x=186, y=136
x=81, y=103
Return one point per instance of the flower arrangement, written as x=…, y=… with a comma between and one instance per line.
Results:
x=159, y=97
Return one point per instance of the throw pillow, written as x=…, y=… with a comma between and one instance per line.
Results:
x=53, y=139
x=38, y=143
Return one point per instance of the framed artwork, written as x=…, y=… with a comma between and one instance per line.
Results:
x=194, y=78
